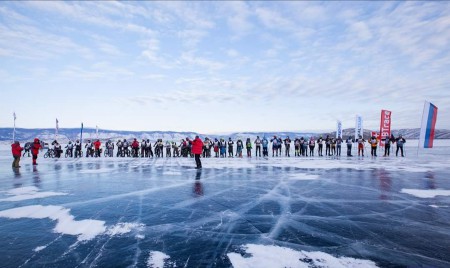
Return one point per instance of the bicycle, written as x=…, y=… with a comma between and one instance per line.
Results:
x=49, y=154
x=68, y=153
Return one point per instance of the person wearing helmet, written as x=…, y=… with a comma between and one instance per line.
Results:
x=349, y=143
x=143, y=147
x=248, y=145
x=327, y=146
x=197, y=148
x=126, y=144
x=57, y=148
x=97, y=145
x=265, y=146
x=274, y=142
x=373, y=146
x=89, y=148
x=69, y=149
x=27, y=148
x=149, y=151
x=168, y=149
x=77, y=149
x=360, y=142
x=216, y=147
x=312, y=144
x=400, y=142
x=135, y=148
x=230, y=147
x=297, y=147
x=320, y=142
x=258, y=146
x=119, y=145
x=223, y=148
x=287, y=145
x=35, y=150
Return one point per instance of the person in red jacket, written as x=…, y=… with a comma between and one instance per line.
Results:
x=17, y=153
x=135, y=148
x=35, y=150
x=97, y=145
x=197, y=148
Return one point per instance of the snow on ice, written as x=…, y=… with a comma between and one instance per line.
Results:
x=257, y=212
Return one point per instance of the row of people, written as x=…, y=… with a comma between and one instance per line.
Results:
x=222, y=148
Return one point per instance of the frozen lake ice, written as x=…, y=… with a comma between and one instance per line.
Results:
x=275, y=212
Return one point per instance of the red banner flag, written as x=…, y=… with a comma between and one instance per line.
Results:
x=385, y=125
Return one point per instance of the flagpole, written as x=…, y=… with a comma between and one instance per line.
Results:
x=56, y=130
x=14, y=130
x=81, y=135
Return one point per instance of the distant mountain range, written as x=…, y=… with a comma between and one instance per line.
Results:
x=66, y=134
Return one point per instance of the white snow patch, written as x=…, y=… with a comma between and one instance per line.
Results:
x=274, y=256
x=37, y=249
x=436, y=206
x=26, y=193
x=156, y=259
x=426, y=193
x=124, y=227
x=303, y=176
x=139, y=236
x=66, y=224
x=172, y=173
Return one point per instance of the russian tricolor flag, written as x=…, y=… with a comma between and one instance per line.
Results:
x=428, y=125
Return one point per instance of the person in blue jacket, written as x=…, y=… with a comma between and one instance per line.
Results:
x=265, y=145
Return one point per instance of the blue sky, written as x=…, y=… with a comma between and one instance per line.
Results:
x=220, y=66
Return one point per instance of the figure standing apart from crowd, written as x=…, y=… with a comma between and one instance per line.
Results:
x=400, y=142
x=17, y=153
x=197, y=148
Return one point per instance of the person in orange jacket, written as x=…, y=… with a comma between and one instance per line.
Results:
x=97, y=145
x=17, y=153
x=35, y=148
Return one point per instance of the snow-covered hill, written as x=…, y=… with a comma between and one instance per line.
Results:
x=66, y=134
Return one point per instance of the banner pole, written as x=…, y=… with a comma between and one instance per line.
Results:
x=14, y=129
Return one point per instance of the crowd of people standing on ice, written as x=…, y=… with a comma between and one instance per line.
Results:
x=219, y=148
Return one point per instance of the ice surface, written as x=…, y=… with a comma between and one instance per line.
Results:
x=315, y=211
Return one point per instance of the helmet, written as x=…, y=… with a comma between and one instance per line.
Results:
x=70, y=142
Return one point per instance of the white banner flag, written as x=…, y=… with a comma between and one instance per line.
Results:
x=339, y=129
x=359, y=131
x=56, y=129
